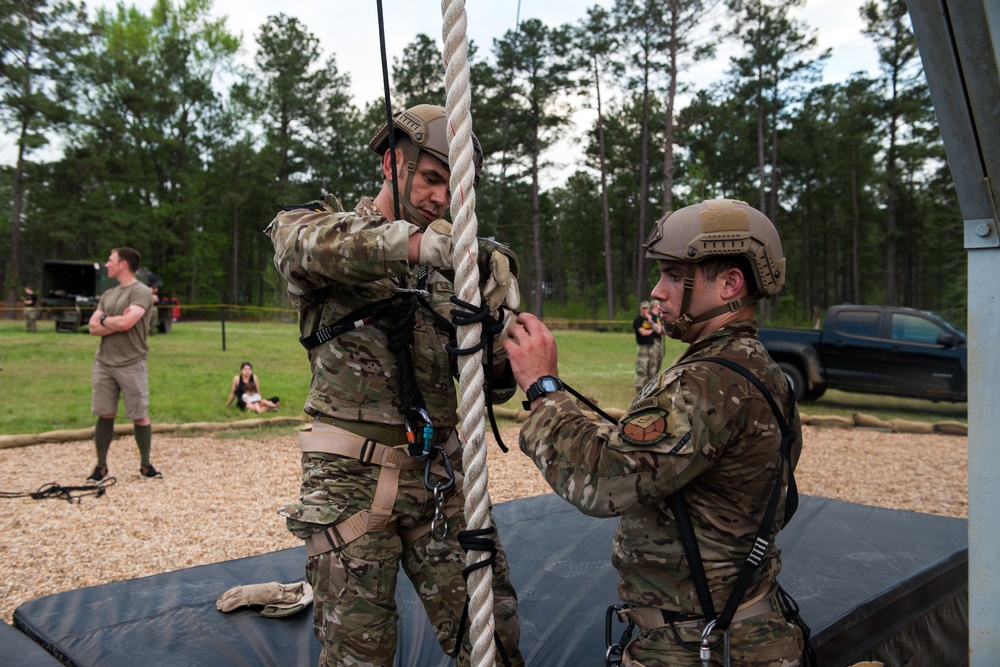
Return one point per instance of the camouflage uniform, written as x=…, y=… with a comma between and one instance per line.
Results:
x=646, y=355
x=697, y=427
x=657, y=346
x=30, y=312
x=336, y=262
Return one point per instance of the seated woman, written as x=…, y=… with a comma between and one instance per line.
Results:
x=238, y=387
x=253, y=401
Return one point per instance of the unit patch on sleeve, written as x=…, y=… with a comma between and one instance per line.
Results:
x=645, y=428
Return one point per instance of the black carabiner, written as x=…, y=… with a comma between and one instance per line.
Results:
x=613, y=654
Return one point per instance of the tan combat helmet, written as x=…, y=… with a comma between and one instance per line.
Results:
x=427, y=126
x=719, y=228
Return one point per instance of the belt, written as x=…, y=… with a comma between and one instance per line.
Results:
x=329, y=439
x=652, y=618
x=390, y=436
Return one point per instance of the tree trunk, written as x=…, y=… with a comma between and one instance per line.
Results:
x=640, y=273
x=668, y=115
x=890, y=218
x=236, y=252
x=760, y=149
x=855, y=237
x=536, y=230
x=605, y=207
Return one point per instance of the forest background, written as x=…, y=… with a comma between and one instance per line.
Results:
x=164, y=140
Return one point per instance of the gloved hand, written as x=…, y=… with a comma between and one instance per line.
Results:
x=498, y=269
x=436, y=246
x=276, y=599
x=498, y=265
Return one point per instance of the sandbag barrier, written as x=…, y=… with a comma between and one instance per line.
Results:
x=859, y=420
x=73, y=435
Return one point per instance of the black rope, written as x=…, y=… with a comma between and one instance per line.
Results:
x=399, y=335
x=68, y=493
x=476, y=540
x=388, y=112
x=467, y=314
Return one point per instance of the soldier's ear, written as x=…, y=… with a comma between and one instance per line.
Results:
x=732, y=283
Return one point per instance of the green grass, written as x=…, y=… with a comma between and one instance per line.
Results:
x=46, y=376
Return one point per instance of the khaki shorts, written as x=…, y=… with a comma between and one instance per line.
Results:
x=128, y=381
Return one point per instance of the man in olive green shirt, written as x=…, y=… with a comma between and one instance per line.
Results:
x=122, y=320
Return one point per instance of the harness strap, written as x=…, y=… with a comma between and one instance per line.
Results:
x=353, y=320
x=336, y=441
x=652, y=618
x=762, y=539
x=330, y=439
x=338, y=536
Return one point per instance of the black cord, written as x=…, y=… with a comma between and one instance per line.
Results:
x=68, y=493
x=388, y=111
x=467, y=314
x=399, y=335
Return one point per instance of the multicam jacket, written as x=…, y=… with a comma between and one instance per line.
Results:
x=699, y=427
x=336, y=262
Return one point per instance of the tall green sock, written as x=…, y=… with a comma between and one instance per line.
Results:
x=144, y=438
x=103, y=433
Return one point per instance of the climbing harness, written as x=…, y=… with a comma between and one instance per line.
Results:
x=392, y=459
x=72, y=494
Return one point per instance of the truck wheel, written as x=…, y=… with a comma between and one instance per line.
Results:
x=814, y=394
x=794, y=377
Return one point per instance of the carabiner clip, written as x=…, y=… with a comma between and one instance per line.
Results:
x=705, y=651
x=427, y=434
x=411, y=290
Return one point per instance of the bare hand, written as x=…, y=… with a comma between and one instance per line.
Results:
x=531, y=349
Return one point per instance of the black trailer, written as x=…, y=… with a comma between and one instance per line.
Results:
x=70, y=292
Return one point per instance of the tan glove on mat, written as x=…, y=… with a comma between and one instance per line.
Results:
x=276, y=599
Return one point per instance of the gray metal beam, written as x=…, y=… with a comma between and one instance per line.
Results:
x=959, y=42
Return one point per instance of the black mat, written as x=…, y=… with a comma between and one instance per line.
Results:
x=17, y=650
x=870, y=582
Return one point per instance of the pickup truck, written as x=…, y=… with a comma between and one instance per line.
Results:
x=873, y=350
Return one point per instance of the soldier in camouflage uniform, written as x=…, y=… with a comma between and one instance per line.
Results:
x=645, y=350
x=364, y=508
x=655, y=316
x=699, y=427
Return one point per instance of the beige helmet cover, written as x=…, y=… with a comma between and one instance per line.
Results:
x=721, y=227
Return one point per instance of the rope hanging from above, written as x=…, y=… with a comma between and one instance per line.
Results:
x=473, y=402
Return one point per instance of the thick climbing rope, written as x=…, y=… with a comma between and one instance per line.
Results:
x=473, y=406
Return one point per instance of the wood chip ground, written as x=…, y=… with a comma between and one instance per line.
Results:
x=218, y=498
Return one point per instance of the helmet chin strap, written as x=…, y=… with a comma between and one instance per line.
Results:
x=686, y=319
x=411, y=213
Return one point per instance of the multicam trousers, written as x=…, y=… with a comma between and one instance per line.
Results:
x=765, y=640
x=646, y=362
x=354, y=611
x=31, y=320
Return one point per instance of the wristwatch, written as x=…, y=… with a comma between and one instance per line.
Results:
x=103, y=317
x=543, y=386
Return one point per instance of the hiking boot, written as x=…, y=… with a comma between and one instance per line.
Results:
x=147, y=473
x=99, y=475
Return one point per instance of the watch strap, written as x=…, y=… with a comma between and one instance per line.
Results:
x=536, y=390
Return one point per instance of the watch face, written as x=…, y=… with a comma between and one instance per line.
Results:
x=549, y=384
